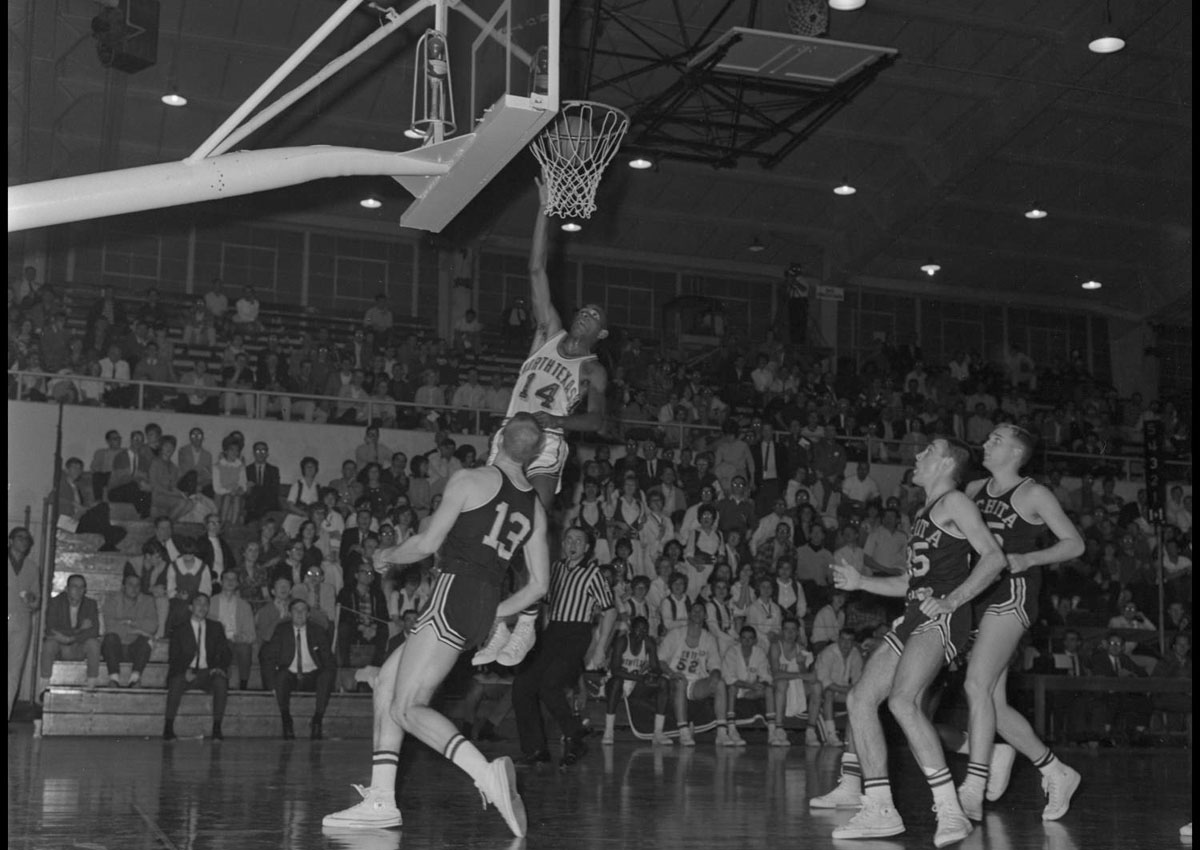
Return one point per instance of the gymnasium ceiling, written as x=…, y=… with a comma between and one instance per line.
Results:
x=989, y=109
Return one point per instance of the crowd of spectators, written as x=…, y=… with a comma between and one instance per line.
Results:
x=370, y=371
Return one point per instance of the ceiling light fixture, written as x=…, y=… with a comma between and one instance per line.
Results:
x=371, y=202
x=1108, y=41
x=414, y=133
x=641, y=163
x=931, y=268
x=845, y=190
x=756, y=247
x=1036, y=213
x=1091, y=284
x=174, y=99
x=572, y=227
x=847, y=5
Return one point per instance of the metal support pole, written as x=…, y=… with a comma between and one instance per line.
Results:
x=49, y=539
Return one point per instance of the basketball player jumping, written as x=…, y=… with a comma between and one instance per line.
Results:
x=560, y=372
x=486, y=516
x=939, y=583
x=1017, y=511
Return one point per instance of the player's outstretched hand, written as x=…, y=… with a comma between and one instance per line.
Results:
x=845, y=576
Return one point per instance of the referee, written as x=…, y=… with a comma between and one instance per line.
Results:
x=577, y=591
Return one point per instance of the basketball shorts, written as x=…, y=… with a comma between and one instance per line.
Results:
x=551, y=460
x=1012, y=595
x=953, y=629
x=461, y=611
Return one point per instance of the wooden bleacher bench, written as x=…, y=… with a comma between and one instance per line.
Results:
x=1041, y=684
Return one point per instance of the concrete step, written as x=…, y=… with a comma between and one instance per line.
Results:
x=74, y=674
x=139, y=713
x=103, y=571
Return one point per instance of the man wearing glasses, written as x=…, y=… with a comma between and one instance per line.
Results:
x=560, y=372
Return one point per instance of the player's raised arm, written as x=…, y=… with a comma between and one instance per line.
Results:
x=537, y=560
x=425, y=543
x=544, y=314
x=847, y=578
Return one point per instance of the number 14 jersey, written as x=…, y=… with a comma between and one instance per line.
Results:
x=548, y=382
x=484, y=539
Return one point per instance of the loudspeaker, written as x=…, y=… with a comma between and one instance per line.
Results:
x=1156, y=480
x=127, y=35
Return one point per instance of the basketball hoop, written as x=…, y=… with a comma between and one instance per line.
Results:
x=573, y=153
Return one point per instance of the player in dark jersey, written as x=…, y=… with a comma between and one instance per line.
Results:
x=486, y=516
x=938, y=584
x=1018, y=511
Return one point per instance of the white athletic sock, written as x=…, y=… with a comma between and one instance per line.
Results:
x=383, y=769
x=609, y=721
x=771, y=727
x=942, y=786
x=466, y=757
x=526, y=618
x=659, y=721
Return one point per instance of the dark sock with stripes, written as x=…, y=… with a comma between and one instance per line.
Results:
x=878, y=788
x=1047, y=762
x=383, y=768
x=466, y=756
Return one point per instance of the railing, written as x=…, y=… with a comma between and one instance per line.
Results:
x=483, y=420
x=449, y=416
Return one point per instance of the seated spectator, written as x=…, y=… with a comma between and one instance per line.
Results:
x=245, y=317
x=300, y=656
x=199, y=327
x=238, y=380
x=469, y=397
x=691, y=659
x=829, y=622
x=348, y=489
x=194, y=456
x=165, y=496
x=673, y=608
x=321, y=596
x=72, y=631
x=442, y=464
x=153, y=583
x=1119, y=712
x=839, y=665
x=1177, y=572
x=1131, y=618
x=199, y=657
x=130, y=623
x=106, y=307
x=307, y=382
x=859, y=491
x=272, y=378
x=378, y=317
x=789, y=593
x=396, y=474
x=102, y=464
x=262, y=498
x=74, y=507
x=764, y=613
x=747, y=673
x=154, y=368
x=796, y=690
x=197, y=507
x=351, y=406
x=363, y=620
x=886, y=547
x=187, y=576
x=229, y=482
x=1177, y=665
x=233, y=612
x=303, y=495
x=115, y=371
x=203, y=397
x=812, y=565
x=372, y=450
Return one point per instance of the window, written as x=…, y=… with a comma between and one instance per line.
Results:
x=249, y=265
x=359, y=279
x=631, y=307
x=131, y=260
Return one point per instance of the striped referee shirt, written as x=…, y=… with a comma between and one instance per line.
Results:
x=575, y=592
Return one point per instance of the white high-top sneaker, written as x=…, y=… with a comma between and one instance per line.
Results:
x=378, y=810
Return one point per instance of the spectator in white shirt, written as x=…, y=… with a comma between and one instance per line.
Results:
x=829, y=621
x=245, y=318
x=837, y=668
x=851, y=551
x=763, y=375
x=860, y=490
x=886, y=547
x=767, y=525
x=378, y=317
x=471, y=396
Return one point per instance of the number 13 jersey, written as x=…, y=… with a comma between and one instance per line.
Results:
x=484, y=539
x=548, y=382
x=938, y=560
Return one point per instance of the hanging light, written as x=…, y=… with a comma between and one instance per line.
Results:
x=174, y=98
x=931, y=268
x=847, y=5
x=845, y=190
x=414, y=133
x=756, y=247
x=371, y=202
x=1091, y=285
x=572, y=226
x=1035, y=213
x=641, y=163
x=1108, y=41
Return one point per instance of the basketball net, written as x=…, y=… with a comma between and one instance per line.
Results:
x=573, y=153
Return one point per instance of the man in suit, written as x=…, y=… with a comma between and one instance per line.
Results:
x=130, y=481
x=263, y=478
x=198, y=657
x=1119, y=711
x=771, y=469
x=352, y=538
x=653, y=466
x=89, y=518
x=72, y=631
x=300, y=653
x=630, y=463
x=195, y=456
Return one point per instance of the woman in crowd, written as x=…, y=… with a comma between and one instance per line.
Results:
x=304, y=493
x=229, y=482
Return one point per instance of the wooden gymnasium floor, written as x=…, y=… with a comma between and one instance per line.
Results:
x=140, y=794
